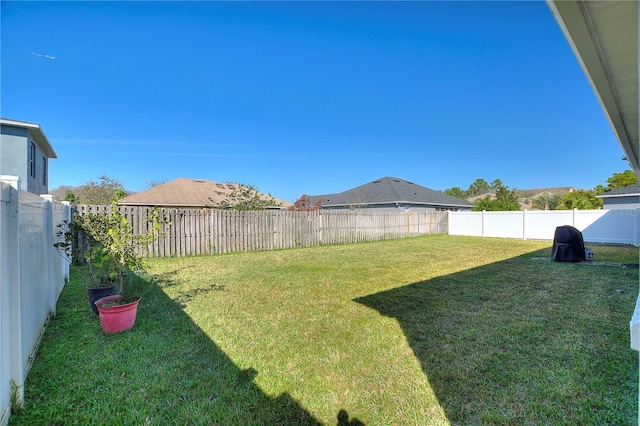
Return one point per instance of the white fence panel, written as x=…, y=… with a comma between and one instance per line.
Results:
x=31, y=279
x=34, y=234
x=609, y=226
x=597, y=226
x=504, y=224
x=60, y=213
x=541, y=225
x=466, y=223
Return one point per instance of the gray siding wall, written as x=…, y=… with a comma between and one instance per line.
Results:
x=617, y=203
x=14, y=159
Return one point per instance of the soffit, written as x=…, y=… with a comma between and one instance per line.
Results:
x=604, y=38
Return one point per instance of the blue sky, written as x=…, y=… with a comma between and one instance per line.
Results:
x=305, y=97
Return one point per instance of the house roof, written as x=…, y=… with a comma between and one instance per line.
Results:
x=390, y=190
x=532, y=193
x=526, y=193
x=627, y=191
x=184, y=192
x=36, y=133
x=526, y=196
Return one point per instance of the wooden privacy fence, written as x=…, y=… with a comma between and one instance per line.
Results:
x=210, y=231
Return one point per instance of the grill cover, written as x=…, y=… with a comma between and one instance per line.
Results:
x=568, y=245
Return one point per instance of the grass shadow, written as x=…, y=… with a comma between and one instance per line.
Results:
x=163, y=371
x=169, y=279
x=523, y=341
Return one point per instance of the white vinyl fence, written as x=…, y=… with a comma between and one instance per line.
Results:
x=597, y=226
x=32, y=275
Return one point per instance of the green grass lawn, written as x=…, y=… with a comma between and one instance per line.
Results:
x=435, y=330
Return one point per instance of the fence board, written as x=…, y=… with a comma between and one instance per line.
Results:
x=209, y=231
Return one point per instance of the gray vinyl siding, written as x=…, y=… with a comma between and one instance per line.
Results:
x=15, y=159
x=617, y=203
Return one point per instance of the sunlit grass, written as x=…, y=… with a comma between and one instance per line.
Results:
x=431, y=330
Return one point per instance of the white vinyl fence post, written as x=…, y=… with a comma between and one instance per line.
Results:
x=67, y=217
x=484, y=219
x=13, y=257
x=51, y=285
x=636, y=233
x=524, y=224
x=573, y=220
x=6, y=247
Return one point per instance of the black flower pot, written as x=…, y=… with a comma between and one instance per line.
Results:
x=98, y=293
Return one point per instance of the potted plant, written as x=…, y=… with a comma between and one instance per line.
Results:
x=76, y=246
x=117, y=253
x=102, y=275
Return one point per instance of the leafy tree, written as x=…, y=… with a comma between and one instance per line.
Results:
x=622, y=179
x=303, y=204
x=244, y=197
x=115, y=244
x=599, y=189
x=71, y=197
x=478, y=187
x=546, y=201
x=119, y=194
x=103, y=192
x=456, y=192
x=506, y=200
x=580, y=199
x=485, y=203
x=495, y=185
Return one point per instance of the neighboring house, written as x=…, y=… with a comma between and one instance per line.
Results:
x=25, y=152
x=393, y=194
x=622, y=198
x=526, y=196
x=186, y=193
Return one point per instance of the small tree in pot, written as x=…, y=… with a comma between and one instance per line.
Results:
x=120, y=250
x=78, y=248
x=115, y=243
x=102, y=275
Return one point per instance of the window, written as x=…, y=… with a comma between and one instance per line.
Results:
x=32, y=160
x=44, y=170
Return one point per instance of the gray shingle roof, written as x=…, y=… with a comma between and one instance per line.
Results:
x=390, y=190
x=621, y=192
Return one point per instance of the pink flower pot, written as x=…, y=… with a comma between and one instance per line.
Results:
x=116, y=319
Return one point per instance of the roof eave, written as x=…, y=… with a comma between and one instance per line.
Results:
x=604, y=54
x=36, y=132
x=617, y=195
